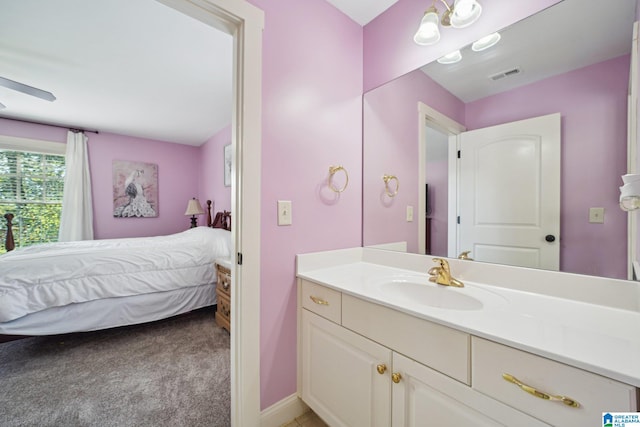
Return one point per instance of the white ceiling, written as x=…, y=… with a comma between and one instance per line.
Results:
x=133, y=67
x=362, y=11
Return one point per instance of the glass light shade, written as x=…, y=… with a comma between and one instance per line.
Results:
x=451, y=58
x=486, y=42
x=194, y=207
x=428, y=32
x=465, y=13
x=630, y=203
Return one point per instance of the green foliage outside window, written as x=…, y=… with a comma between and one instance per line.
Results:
x=31, y=187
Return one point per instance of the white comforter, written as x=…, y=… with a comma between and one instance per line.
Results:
x=57, y=274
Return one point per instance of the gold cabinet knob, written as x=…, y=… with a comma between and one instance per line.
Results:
x=382, y=368
x=396, y=377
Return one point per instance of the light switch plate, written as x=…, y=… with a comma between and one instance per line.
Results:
x=409, y=213
x=596, y=215
x=284, y=212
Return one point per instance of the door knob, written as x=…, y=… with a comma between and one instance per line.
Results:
x=550, y=238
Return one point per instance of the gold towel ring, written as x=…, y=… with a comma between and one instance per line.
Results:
x=332, y=171
x=387, y=190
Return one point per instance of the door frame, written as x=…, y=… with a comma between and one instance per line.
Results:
x=429, y=116
x=245, y=23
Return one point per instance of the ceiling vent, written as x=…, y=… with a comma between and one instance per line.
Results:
x=503, y=74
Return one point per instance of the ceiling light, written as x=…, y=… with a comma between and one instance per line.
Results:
x=486, y=42
x=428, y=31
x=460, y=14
x=451, y=58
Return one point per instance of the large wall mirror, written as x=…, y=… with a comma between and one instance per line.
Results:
x=570, y=64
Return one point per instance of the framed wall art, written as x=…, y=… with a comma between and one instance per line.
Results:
x=135, y=189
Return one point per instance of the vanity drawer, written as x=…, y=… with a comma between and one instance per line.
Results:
x=322, y=301
x=440, y=348
x=594, y=393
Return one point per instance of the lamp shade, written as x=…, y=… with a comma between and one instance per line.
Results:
x=428, y=31
x=194, y=207
x=465, y=13
x=630, y=192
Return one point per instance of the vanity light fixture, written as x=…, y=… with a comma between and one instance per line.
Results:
x=460, y=14
x=630, y=192
x=451, y=58
x=486, y=42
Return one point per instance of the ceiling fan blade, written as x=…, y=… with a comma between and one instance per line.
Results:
x=29, y=90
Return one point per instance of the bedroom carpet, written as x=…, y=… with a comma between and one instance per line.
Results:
x=175, y=372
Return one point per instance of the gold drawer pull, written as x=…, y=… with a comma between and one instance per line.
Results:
x=564, y=399
x=318, y=301
x=396, y=377
x=382, y=368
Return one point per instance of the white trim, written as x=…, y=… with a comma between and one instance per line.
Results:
x=245, y=22
x=632, y=150
x=283, y=411
x=32, y=145
x=444, y=124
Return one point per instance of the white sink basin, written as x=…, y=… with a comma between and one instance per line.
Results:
x=416, y=289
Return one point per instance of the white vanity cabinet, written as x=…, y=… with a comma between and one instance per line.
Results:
x=357, y=368
x=345, y=377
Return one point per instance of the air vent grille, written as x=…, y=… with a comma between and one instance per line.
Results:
x=507, y=73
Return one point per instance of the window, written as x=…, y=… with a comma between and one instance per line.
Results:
x=31, y=184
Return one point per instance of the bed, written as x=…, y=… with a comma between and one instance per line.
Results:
x=57, y=288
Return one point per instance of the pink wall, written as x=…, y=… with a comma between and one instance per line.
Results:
x=593, y=104
x=389, y=50
x=177, y=178
x=312, y=119
x=391, y=135
x=211, y=183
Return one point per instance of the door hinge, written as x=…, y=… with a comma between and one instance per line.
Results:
x=459, y=154
x=239, y=258
x=458, y=219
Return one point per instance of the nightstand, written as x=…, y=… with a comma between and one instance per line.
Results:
x=223, y=292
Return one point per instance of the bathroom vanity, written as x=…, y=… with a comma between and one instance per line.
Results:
x=379, y=345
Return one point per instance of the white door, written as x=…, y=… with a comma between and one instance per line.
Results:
x=509, y=193
x=345, y=377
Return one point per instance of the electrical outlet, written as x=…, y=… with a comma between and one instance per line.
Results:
x=409, y=213
x=284, y=212
x=596, y=215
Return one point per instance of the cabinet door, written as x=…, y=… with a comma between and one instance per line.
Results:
x=340, y=379
x=424, y=397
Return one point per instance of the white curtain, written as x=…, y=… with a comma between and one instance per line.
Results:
x=76, y=220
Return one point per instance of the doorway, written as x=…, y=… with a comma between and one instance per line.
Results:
x=245, y=23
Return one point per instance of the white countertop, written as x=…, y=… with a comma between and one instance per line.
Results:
x=598, y=338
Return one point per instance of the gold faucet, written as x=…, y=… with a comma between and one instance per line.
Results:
x=442, y=274
x=465, y=256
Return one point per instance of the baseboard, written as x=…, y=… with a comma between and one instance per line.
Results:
x=283, y=411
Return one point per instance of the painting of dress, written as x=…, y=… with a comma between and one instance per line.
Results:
x=135, y=189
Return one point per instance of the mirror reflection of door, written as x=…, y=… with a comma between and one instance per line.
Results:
x=509, y=193
x=436, y=189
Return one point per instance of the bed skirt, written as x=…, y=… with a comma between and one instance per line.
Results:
x=111, y=312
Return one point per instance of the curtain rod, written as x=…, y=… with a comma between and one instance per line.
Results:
x=72, y=129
